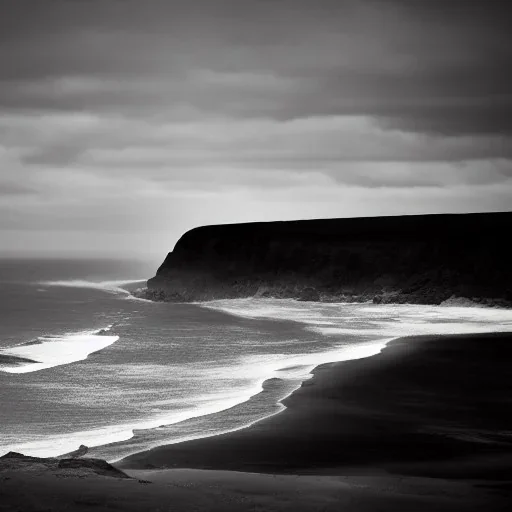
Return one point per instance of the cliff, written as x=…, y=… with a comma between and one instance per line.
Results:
x=423, y=259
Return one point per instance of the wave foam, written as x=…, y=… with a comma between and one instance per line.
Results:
x=115, y=286
x=374, y=321
x=262, y=367
x=371, y=327
x=50, y=351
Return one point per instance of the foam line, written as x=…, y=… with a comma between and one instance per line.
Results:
x=115, y=286
x=390, y=320
x=50, y=351
x=370, y=326
x=297, y=367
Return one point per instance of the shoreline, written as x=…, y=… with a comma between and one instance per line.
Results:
x=262, y=383
x=159, y=295
x=284, y=463
x=325, y=409
x=280, y=403
x=262, y=388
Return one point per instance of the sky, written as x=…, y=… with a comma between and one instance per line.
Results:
x=125, y=123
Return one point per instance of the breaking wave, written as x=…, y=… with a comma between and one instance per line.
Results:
x=50, y=351
x=116, y=286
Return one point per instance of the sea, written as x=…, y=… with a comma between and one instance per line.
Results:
x=85, y=362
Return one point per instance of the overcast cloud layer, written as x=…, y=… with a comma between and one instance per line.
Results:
x=124, y=123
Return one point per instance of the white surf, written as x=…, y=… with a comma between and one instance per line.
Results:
x=50, y=351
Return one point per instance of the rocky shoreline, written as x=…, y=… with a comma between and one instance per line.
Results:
x=425, y=259
x=310, y=294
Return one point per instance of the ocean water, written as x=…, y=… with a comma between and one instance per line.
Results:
x=82, y=361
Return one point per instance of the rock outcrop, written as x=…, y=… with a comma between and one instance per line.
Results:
x=80, y=452
x=13, y=461
x=425, y=259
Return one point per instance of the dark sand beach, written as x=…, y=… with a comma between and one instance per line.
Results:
x=424, y=425
x=425, y=406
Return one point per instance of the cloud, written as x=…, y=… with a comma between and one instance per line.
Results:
x=413, y=66
x=320, y=144
x=124, y=116
x=9, y=188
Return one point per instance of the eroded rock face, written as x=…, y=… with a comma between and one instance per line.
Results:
x=412, y=259
x=309, y=295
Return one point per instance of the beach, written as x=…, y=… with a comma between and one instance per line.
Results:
x=254, y=256
x=421, y=426
x=425, y=406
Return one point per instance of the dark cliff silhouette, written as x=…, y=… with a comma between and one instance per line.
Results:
x=424, y=259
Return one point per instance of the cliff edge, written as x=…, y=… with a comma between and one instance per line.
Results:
x=423, y=259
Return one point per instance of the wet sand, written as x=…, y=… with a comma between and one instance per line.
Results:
x=424, y=425
x=426, y=406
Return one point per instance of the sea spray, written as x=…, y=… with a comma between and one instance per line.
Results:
x=50, y=351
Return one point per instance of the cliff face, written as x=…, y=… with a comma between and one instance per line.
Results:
x=415, y=259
